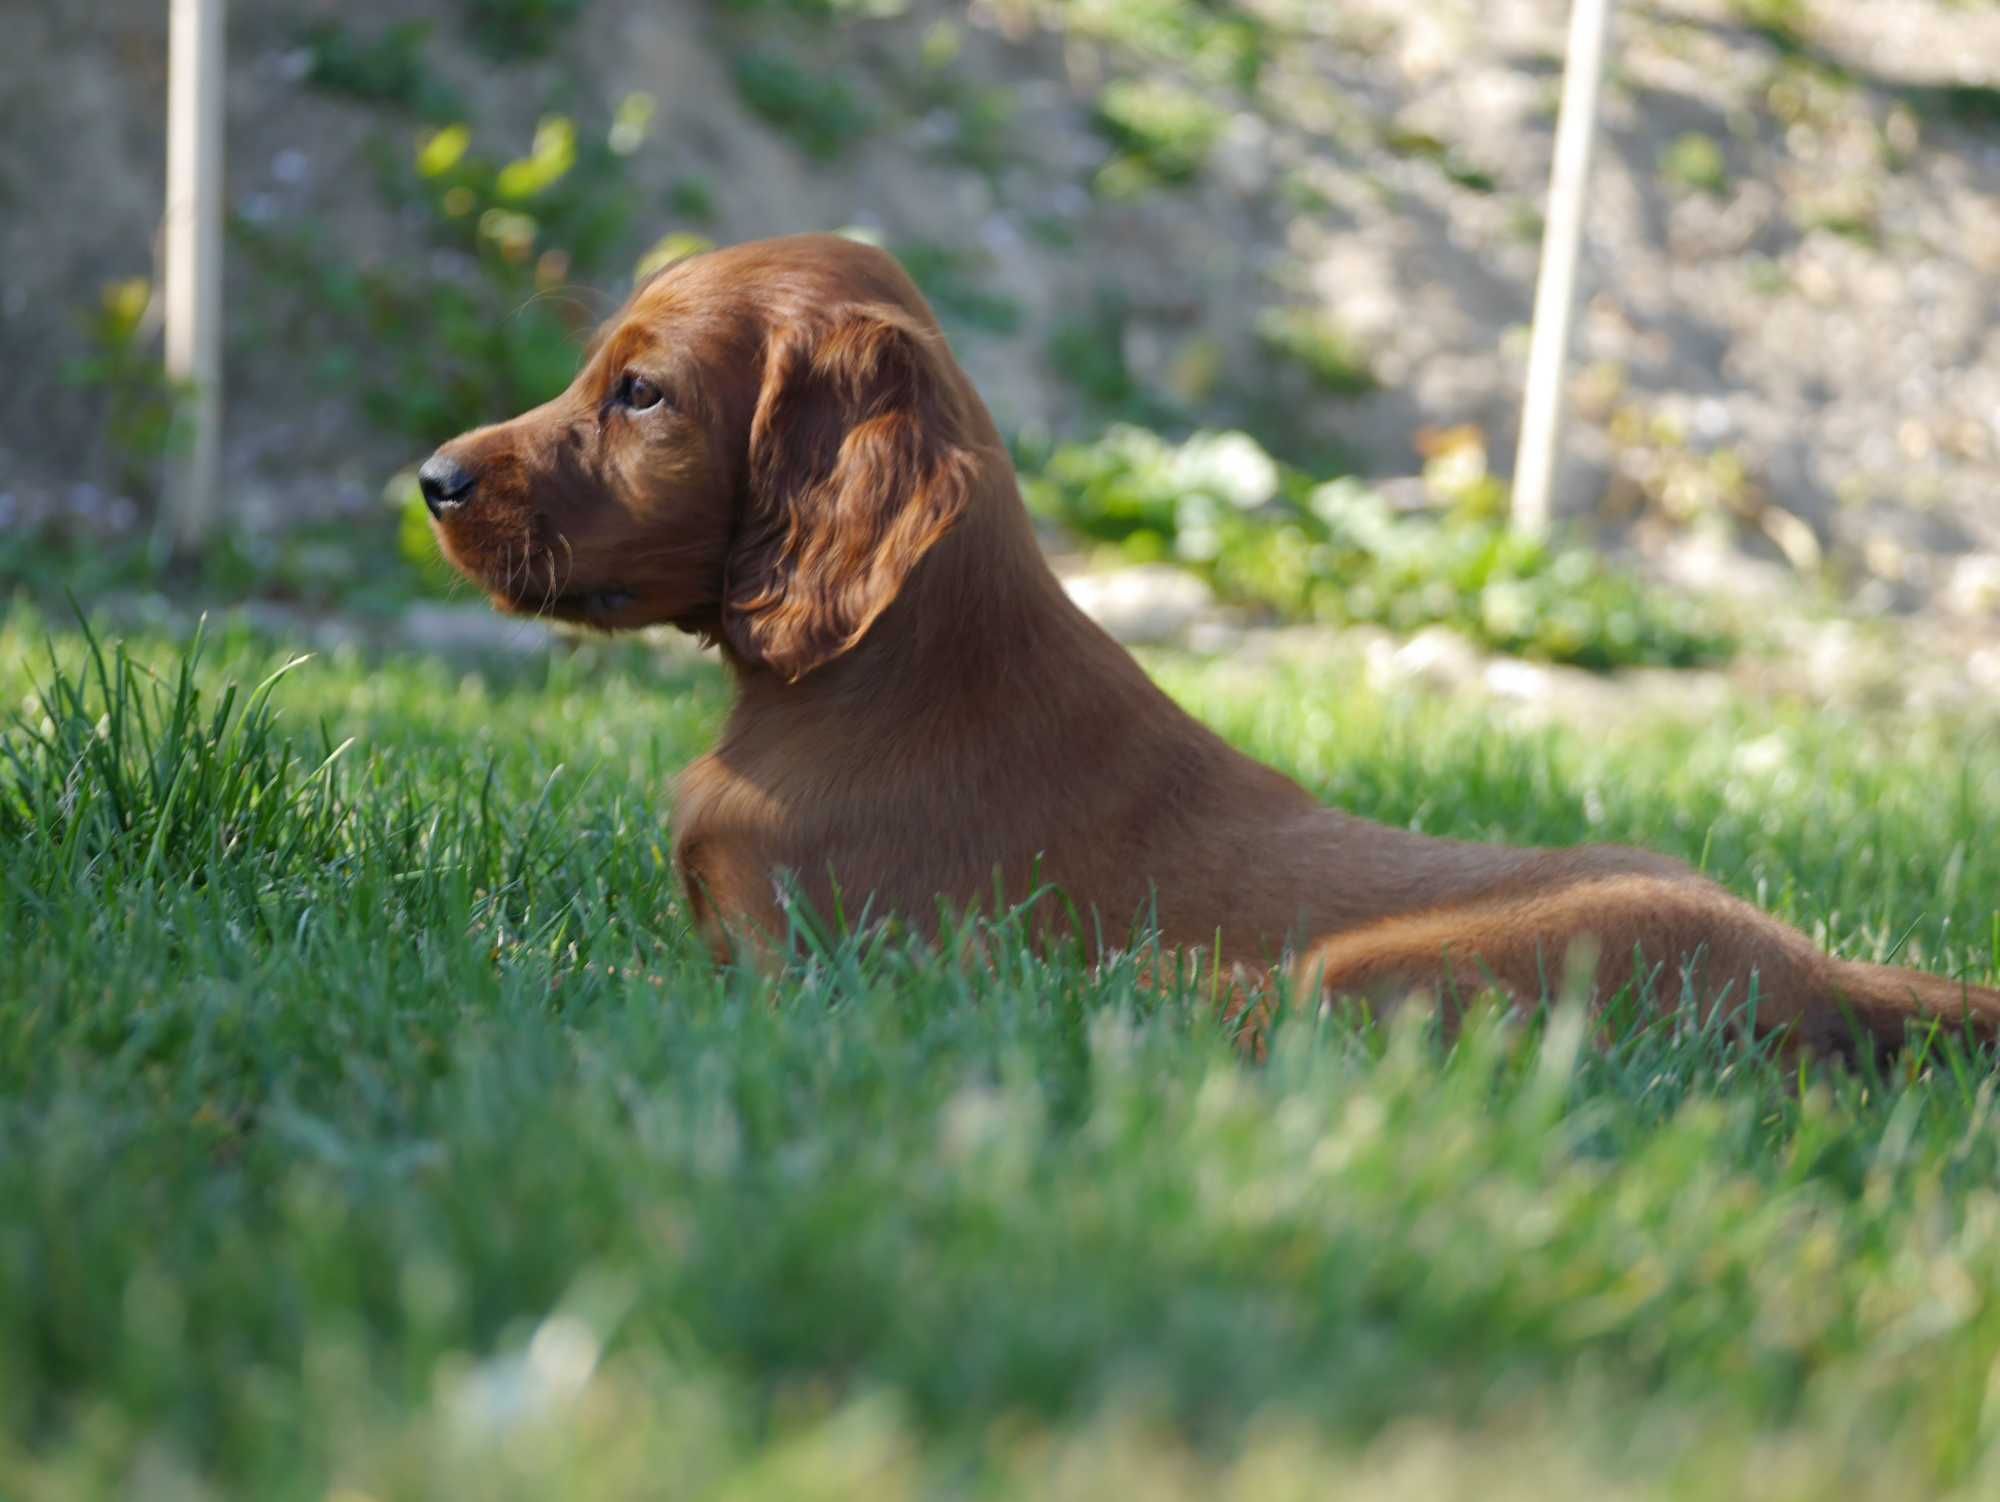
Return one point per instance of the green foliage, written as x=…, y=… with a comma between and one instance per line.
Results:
x=432, y=351
x=519, y=28
x=566, y=197
x=1694, y=163
x=425, y=356
x=1161, y=132
x=983, y=119
x=1525, y=222
x=446, y=355
x=372, y=1125
x=1976, y=104
x=1333, y=357
x=981, y=114
x=950, y=280
x=41, y=559
x=483, y=360
x=692, y=199
x=121, y=374
x=838, y=11
x=1850, y=208
x=1449, y=159
x=1264, y=534
x=1089, y=353
x=815, y=110
x=372, y=564
x=390, y=68
x=1782, y=22
x=1219, y=40
x=1810, y=88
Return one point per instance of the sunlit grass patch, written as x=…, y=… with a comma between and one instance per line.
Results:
x=388, y=1134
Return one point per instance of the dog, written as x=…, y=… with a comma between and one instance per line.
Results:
x=771, y=447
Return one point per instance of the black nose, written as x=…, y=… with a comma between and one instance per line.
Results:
x=445, y=483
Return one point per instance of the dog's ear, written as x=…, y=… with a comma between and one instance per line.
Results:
x=858, y=465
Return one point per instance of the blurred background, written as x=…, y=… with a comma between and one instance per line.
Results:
x=1247, y=285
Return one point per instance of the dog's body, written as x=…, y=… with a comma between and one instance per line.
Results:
x=772, y=448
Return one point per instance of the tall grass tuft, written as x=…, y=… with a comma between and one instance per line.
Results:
x=112, y=771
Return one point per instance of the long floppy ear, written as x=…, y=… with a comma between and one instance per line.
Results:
x=858, y=465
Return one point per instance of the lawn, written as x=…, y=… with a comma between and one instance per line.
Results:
x=371, y=1127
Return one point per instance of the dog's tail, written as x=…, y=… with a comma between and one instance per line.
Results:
x=1883, y=1002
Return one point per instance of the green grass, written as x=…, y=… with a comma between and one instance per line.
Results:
x=370, y=1127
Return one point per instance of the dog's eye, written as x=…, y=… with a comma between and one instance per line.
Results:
x=639, y=394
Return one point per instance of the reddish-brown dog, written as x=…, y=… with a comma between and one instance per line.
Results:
x=772, y=447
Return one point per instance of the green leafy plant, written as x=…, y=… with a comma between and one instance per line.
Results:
x=814, y=110
x=1088, y=352
x=371, y=564
x=1976, y=104
x=949, y=278
x=564, y=199
x=1218, y=40
x=1161, y=132
x=389, y=68
x=1850, y=208
x=1782, y=22
x=449, y=349
x=444, y=354
x=1330, y=354
x=1695, y=164
x=691, y=198
x=1264, y=534
x=122, y=372
x=982, y=127
x=1449, y=159
x=821, y=10
x=519, y=28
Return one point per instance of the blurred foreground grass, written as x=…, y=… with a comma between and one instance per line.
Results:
x=371, y=1128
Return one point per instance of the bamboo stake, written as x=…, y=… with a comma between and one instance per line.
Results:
x=1555, y=287
x=194, y=262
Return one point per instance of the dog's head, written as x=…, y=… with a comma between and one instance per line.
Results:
x=761, y=446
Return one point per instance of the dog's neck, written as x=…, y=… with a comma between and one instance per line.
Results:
x=982, y=644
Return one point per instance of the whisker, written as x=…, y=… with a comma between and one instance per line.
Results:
x=550, y=593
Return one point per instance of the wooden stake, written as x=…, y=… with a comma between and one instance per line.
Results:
x=1555, y=288
x=194, y=263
